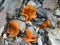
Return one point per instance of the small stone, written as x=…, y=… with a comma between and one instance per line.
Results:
x=41, y=13
x=23, y=43
x=31, y=3
x=38, y=23
x=57, y=13
x=39, y=41
x=4, y=36
x=38, y=5
x=58, y=24
x=41, y=31
x=22, y=25
x=43, y=19
x=6, y=42
x=58, y=19
x=18, y=40
x=22, y=18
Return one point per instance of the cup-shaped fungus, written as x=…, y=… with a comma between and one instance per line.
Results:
x=30, y=37
x=29, y=12
x=13, y=29
x=46, y=24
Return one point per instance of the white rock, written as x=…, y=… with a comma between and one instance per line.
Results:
x=54, y=36
x=58, y=12
x=39, y=41
x=6, y=42
x=18, y=40
x=29, y=23
x=31, y=3
x=4, y=36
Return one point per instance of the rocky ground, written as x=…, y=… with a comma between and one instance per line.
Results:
x=49, y=8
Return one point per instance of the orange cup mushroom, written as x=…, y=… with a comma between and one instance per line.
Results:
x=29, y=12
x=45, y=24
x=13, y=29
x=30, y=37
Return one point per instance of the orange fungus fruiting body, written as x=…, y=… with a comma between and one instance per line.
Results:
x=13, y=29
x=30, y=37
x=45, y=24
x=29, y=12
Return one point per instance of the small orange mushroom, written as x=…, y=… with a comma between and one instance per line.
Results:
x=30, y=37
x=29, y=33
x=13, y=30
x=29, y=12
x=45, y=24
